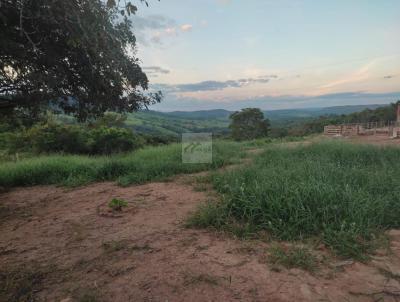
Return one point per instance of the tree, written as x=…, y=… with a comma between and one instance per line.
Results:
x=77, y=56
x=111, y=119
x=249, y=123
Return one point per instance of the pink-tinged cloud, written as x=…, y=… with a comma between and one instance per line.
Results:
x=186, y=27
x=356, y=76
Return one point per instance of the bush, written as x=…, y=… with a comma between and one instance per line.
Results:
x=113, y=140
x=73, y=139
x=156, y=140
x=52, y=137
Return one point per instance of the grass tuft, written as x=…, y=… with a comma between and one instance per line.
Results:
x=293, y=257
x=344, y=194
x=117, y=204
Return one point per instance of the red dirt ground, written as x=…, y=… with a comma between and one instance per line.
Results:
x=81, y=251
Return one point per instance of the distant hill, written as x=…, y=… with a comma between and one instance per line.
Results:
x=173, y=124
x=217, y=121
x=316, y=112
x=201, y=114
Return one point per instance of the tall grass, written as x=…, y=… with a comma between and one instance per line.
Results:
x=151, y=163
x=344, y=194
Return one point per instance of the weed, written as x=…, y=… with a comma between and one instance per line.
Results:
x=342, y=193
x=117, y=204
x=293, y=257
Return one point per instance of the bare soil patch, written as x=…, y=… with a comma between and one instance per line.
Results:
x=56, y=243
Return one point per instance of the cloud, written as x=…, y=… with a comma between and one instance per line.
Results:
x=154, y=28
x=358, y=75
x=186, y=27
x=151, y=29
x=155, y=71
x=214, y=85
x=389, y=77
x=170, y=31
x=152, y=22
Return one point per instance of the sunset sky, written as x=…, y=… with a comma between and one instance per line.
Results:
x=232, y=54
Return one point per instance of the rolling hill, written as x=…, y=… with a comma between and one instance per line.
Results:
x=217, y=121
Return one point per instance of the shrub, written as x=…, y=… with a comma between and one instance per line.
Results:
x=73, y=139
x=47, y=138
x=52, y=137
x=106, y=140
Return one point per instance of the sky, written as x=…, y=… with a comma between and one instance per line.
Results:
x=232, y=54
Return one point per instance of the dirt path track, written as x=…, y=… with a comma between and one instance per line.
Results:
x=80, y=251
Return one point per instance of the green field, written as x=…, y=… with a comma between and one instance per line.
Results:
x=150, y=163
x=159, y=123
x=337, y=193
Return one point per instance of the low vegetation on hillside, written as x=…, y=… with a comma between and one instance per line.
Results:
x=149, y=163
x=342, y=194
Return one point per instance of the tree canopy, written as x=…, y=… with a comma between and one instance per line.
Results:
x=77, y=56
x=249, y=123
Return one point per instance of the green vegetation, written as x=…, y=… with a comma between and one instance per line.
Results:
x=149, y=163
x=117, y=204
x=73, y=139
x=293, y=257
x=342, y=193
x=78, y=66
x=249, y=123
x=172, y=125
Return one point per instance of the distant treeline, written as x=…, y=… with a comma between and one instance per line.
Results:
x=316, y=125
